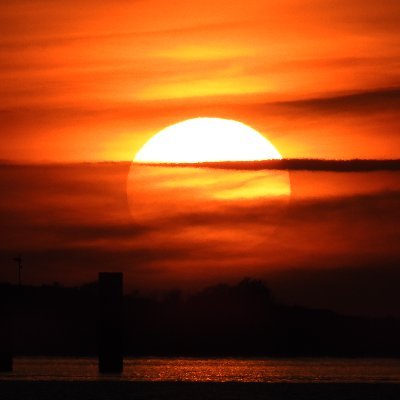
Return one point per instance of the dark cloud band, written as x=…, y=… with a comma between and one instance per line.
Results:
x=297, y=165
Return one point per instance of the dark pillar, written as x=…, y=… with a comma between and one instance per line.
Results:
x=6, y=362
x=110, y=324
x=6, y=358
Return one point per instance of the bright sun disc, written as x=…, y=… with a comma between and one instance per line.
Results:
x=207, y=139
x=208, y=206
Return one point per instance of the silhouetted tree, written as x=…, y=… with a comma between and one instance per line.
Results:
x=241, y=319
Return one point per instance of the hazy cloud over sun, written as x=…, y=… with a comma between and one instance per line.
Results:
x=70, y=221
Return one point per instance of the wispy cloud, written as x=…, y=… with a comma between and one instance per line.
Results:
x=377, y=100
x=301, y=164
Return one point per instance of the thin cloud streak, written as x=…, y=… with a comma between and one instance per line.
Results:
x=376, y=100
x=301, y=164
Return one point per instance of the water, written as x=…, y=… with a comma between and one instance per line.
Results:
x=212, y=370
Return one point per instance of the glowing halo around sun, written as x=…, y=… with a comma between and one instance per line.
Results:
x=207, y=140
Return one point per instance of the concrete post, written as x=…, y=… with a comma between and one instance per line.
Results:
x=6, y=339
x=110, y=323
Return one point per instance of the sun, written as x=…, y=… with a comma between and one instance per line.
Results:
x=170, y=191
x=207, y=140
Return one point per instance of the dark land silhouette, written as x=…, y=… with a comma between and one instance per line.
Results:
x=220, y=320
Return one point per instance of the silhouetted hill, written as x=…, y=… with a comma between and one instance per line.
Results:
x=220, y=320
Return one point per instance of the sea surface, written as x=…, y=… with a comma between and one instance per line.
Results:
x=211, y=370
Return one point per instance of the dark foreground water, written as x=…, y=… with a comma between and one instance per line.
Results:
x=123, y=390
x=328, y=379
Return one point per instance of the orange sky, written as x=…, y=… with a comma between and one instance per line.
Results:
x=95, y=81
x=92, y=81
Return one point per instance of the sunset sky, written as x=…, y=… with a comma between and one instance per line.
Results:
x=86, y=84
x=95, y=81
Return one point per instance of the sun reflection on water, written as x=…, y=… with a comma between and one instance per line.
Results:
x=212, y=370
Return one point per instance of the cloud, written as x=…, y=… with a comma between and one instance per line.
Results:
x=301, y=164
x=71, y=221
x=376, y=100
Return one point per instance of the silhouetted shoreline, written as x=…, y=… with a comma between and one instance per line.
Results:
x=243, y=320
